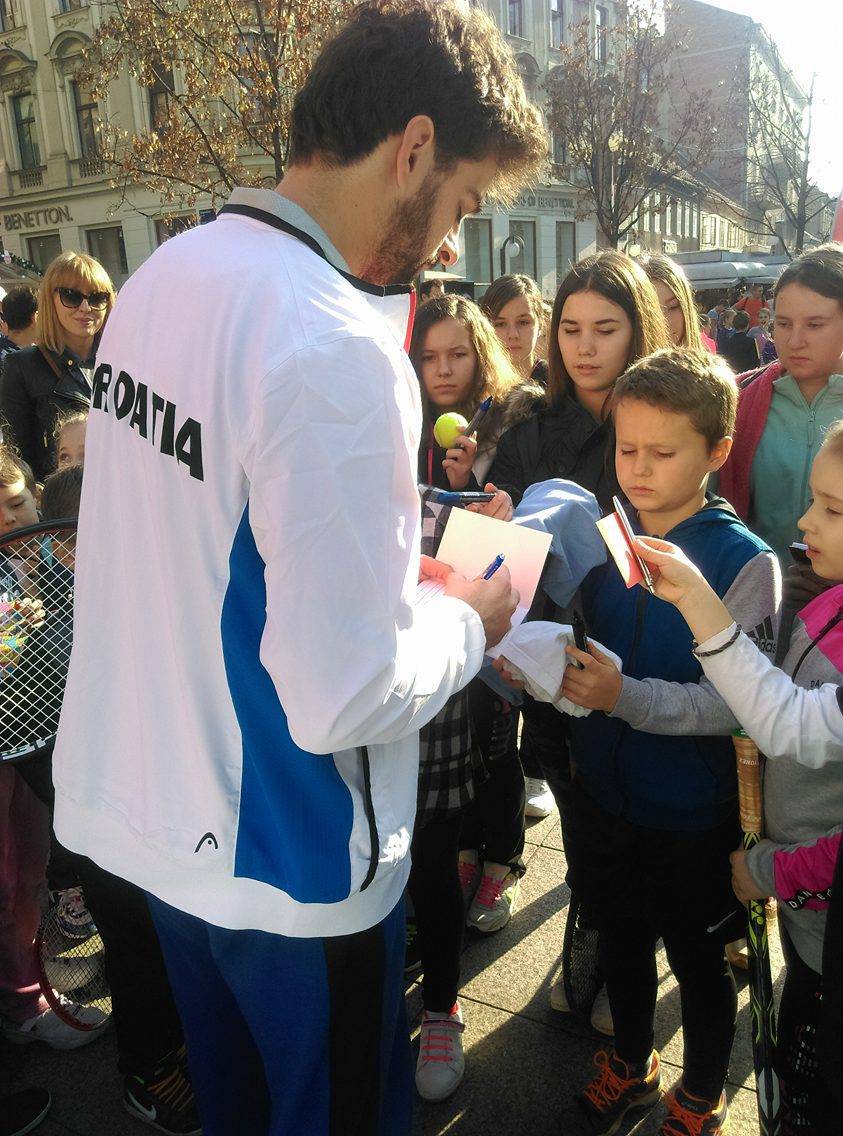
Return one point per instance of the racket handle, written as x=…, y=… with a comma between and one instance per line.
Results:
x=749, y=783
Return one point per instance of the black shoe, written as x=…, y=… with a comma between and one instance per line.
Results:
x=22, y=1112
x=616, y=1089
x=165, y=1099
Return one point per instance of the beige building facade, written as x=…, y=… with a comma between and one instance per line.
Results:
x=55, y=193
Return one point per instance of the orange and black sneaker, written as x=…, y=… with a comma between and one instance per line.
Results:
x=616, y=1089
x=688, y=1115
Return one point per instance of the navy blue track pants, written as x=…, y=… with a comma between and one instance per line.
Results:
x=288, y=1037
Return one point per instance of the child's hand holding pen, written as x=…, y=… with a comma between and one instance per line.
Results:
x=500, y=507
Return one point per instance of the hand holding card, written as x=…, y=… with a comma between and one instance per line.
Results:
x=620, y=540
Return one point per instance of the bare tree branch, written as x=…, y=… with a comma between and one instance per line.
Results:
x=621, y=121
x=780, y=123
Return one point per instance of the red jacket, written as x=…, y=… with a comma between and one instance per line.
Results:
x=753, y=407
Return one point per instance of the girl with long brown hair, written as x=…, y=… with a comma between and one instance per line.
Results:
x=676, y=299
x=516, y=311
x=460, y=362
x=606, y=316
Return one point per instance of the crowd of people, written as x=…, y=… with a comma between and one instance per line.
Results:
x=280, y=784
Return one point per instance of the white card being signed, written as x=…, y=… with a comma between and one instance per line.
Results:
x=471, y=542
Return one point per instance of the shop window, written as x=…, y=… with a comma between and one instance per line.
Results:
x=43, y=249
x=523, y=259
x=109, y=248
x=172, y=226
x=477, y=248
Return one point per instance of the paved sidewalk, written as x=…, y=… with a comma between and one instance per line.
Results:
x=524, y=1061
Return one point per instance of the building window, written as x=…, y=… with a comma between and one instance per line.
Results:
x=43, y=249
x=172, y=226
x=516, y=18
x=477, y=249
x=523, y=260
x=644, y=215
x=560, y=148
x=601, y=51
x=70, y=5
x=159, y=97
x=108, y=247
x=657, y=212
x=87, y=121
x=566, y=249
x=23, y=106
x=695, y=221
x=9, y=15
x=557, y=26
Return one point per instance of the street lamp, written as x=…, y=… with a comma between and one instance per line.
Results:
x=510, y=240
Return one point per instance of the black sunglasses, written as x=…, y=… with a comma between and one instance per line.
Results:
x=72, y=298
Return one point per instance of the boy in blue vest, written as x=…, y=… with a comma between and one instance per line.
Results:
x=655, y=817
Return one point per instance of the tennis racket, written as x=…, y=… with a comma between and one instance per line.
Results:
x=71, y=963
x=761, y=1004
x=36, y=632
x=580, y=967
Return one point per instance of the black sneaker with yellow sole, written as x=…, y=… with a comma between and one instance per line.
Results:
x=616, y=1090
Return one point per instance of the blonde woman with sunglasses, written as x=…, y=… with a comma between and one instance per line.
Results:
x=46, y=382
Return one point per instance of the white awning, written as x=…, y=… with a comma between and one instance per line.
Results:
x=723, y=273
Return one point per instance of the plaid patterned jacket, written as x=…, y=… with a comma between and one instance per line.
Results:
x=451, y=765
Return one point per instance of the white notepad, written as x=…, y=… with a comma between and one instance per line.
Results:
x=471, y=542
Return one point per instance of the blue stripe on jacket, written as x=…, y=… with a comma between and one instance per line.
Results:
x=296, y=812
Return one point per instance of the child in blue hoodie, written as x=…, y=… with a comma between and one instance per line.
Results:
x=655, y=817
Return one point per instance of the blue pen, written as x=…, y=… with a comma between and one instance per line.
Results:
x=471, y=428
x=493, y=567
x=458, y=497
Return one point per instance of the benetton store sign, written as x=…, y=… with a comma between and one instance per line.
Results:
x=36, y=218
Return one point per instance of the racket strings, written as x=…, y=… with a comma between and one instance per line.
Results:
x=71, y=959
x=36, y=632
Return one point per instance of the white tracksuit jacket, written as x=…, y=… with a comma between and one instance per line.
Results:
x=240, y=728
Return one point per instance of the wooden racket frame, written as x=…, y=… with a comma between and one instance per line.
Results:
x=761, y=1001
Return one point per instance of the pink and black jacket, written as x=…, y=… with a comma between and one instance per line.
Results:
x=803, y=807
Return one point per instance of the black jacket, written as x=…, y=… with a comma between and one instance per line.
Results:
x=33, y=396
x=562, y=441
x=741, y=353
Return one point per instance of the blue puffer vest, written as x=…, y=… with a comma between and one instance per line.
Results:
x=666, y=782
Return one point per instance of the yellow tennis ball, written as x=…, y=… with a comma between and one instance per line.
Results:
x=448, y=428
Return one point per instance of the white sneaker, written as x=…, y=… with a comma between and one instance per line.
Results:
x=558, y=996
x=540, y=800
x=49, y=1028
x=441, y=1064
x=601, y=1014
x=494, y=903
